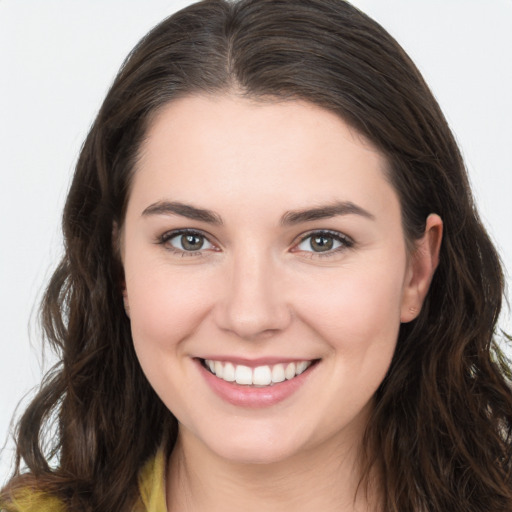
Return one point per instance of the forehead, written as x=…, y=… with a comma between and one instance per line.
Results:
x=232, y=150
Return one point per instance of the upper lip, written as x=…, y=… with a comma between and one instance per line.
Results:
x=253, y=363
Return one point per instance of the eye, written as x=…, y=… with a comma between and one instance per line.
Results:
x=324, y=242
x=186, y=241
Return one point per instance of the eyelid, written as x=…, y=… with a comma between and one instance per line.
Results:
x=165, y=237
x=346, y=242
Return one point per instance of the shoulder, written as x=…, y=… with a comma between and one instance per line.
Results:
x=151, y=490
x=27, y=500
x=152, y=483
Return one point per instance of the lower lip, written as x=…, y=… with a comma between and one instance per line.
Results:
x=253, y=397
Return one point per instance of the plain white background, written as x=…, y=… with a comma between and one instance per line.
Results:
x=57, y=59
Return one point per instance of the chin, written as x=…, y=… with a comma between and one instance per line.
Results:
x=255, y=454
x=256, y=447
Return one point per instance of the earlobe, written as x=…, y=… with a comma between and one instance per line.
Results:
x=126, y=303
x=422, y=265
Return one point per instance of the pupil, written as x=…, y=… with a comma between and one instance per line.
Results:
x=322, y=243
x=191, y=242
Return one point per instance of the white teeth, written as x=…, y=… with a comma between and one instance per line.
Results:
x=229, y=372
x=243, y=374
x=289, y=373
x=218, y=369
x=278, y=373
x=260, y=375
x=301, y=367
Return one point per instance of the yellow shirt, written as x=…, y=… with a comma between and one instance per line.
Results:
x=152, y=484
x=151, y=488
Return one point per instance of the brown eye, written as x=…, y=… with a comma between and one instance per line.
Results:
x=324, y=242
x=192, y=242
x=188, y=241
x=321, y=243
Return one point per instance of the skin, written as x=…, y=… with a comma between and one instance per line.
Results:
x=259, y=289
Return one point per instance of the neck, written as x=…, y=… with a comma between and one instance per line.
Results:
x=326, y=478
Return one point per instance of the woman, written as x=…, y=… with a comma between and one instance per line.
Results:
x=276, y=290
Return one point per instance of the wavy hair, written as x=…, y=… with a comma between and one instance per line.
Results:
x=441, y=427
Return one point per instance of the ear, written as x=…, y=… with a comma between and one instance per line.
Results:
x=421, y=267
x=126, y=302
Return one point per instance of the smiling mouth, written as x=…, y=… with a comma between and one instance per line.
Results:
x=260, y=376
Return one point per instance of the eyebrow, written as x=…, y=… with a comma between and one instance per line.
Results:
x=290, y=218
x=324, y=212
x=184, y=210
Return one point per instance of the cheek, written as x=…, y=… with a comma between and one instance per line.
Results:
x=358, y=318
x=165, y=306
x=165, y=309
x=354, y=309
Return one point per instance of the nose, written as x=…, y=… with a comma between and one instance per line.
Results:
x=253, y=304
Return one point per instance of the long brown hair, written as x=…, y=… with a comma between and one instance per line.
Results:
x=441, y=428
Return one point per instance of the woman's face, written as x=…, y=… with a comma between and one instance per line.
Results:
x=264, y=240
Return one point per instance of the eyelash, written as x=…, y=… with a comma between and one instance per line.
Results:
x=166, y=237
x=345, y=242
